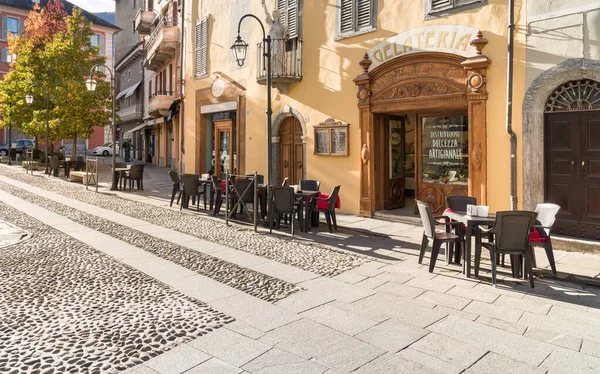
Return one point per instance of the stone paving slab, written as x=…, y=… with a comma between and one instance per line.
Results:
x=277, y=361
x=339, y=319
x=392, y=335
x=214, y=366
x=177, y=360
x=563, y=360
x=561, y=340
x=493, y=363
x=230, y=347
x=455, y=352
x=560, y=326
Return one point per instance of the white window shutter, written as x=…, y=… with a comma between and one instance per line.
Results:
x=346, y=15
x=364, y=14
x=101, y=44
x=204, y=47
x=440, y=5
x=292, y=18
x=201, y=47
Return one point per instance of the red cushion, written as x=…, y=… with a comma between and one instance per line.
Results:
x=535, y=237
x=322, y=204
x=450, y=210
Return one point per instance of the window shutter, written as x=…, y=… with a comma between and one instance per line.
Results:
x=3, y=57
x=363, y=14
x=346, y=19
x=292, y=18
x=204, y=47
x=4, y=28
x=466, y=2
x=440, y=5
x=21, y=26
x=101, y=44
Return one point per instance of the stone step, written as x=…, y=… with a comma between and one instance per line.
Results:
x=564, y=243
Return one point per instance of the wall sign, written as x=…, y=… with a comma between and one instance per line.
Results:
x=218, y=87
x=439, y=38
x=331, y=138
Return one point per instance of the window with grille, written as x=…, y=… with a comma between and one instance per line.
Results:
x=435, y=8
x=288, y=9
x=201, y=48
x=356, y=17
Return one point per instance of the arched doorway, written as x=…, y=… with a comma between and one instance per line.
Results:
x=572, y=157
x=291, y=151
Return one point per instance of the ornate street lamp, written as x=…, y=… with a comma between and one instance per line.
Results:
x=91, y=86
x=29, y=101
x=240, y=49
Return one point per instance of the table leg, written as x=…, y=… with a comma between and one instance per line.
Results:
x=467, y=259
x=301, y=215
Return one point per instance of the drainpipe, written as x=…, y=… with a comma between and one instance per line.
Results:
x=181, y=93
x=509, y=98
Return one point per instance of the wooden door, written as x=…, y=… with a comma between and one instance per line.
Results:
x=395, y=190
x=291, y=151
x=572, y=170
x=223, y=148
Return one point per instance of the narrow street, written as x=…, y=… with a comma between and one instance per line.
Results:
x=109, y=284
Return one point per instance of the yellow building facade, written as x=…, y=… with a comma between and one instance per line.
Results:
x=392, y=100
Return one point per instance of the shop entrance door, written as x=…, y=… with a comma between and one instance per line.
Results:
x=291, y=151
x=395, y=187
x=223, y=147
x=572, y=170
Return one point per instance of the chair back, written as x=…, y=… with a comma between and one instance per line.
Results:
x=512, y=229
x=459, y=203
x=120, y=165
x=244, y=193
x=332, y=197
x=310, y=185
x=216, y=183
x=190, y=184
x=546, y=215
x=286, y=181
x=53, y=160
x=282, y=199
x=174, y=176
x=79, y=158
x=426, y=218
x=260, y=179
x=136, y=171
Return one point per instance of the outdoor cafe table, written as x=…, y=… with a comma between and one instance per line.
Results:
x=304, y=198
x=470, y=222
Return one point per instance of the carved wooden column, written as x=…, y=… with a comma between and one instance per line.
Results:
x=367, y=171
x=477, y=112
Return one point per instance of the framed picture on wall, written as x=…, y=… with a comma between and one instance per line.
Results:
x=331, y=138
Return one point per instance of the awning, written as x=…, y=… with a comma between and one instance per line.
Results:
x=132, y=89
x=120, y=95
x=137, y=128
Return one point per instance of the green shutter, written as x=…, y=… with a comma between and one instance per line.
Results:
x=363, y=14
x=346, y=16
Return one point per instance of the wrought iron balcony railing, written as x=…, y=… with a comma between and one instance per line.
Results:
x=286, y=61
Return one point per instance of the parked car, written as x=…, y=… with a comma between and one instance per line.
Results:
x=103, y=150
x=19, y=145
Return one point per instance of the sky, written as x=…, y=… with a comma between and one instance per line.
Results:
x=95, y=6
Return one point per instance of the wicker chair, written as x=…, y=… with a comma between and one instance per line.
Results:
x=135, y=173
x=191, y=188
x=283, y=202
x=177, y=190
x=310, y=185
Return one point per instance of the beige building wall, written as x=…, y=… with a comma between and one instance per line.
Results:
x=327, y=88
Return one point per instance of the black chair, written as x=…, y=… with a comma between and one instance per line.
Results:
x=177, y=190
x=217, y=194
x=120, y=174
x=191, y=188
x=459, y=203
x=310, y=185
x=135, y=173
x=439, y=238
x=242, y=194
x=283, y=202
x=260, y=179
x=510, y=236
x=330, y=211
x=54, y=166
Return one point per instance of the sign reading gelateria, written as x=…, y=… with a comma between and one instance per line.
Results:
x=438, y=38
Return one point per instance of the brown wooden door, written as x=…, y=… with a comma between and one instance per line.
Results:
x=395, y=190
x=223, y=148
x=572, y=169
x=291, y=151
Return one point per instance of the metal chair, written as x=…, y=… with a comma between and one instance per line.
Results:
x=540, y=237
x=330, y=211
x=191, y=188
x=282, y=202
x=510, y=236
x=310, y=185
x=176, y=181
x=439, y=238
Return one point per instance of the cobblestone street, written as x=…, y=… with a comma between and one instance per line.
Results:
x=94, y=282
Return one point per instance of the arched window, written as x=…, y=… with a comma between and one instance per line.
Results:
x=579, y=95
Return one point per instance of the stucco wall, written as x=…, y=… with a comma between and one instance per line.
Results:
x=327, y=89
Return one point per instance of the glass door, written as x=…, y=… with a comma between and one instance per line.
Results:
x=395, y=188
x=223, y=148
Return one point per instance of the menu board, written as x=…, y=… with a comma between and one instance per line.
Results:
x=322, y=141
x=445, y=149
x=339, y=144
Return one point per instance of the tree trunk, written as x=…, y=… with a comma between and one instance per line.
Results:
x=74, y=150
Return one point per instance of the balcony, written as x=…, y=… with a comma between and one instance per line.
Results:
x=162, y=44
x=131, y=113
x=143, y=21
x=286, y=66
x=160, y=102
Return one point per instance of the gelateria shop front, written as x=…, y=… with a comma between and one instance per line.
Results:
x=422, y=100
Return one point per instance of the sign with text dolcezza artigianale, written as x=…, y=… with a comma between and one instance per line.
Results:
x=438, y=38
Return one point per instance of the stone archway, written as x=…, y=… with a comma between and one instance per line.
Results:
x=278, y=119
x=533, y=121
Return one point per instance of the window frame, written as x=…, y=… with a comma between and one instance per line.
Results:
x=456, y=7
x=339, y=35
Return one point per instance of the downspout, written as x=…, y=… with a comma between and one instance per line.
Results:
x=181, y=86
x=509, y=98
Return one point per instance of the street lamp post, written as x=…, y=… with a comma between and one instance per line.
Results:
x=240, y=49
x=91, y=86
x=29, y=101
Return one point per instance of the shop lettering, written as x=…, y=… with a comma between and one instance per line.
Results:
x=445, y=146
x=423, y=41
x=445, y=154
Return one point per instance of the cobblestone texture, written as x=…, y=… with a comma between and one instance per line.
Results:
x=315, y=258
x=67, y=308
x=252, y=282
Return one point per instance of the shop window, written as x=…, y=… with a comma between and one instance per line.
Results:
x=355, y=17
x=201, y=48
x=437, y=8
x=331, y=138
x=445, y=150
